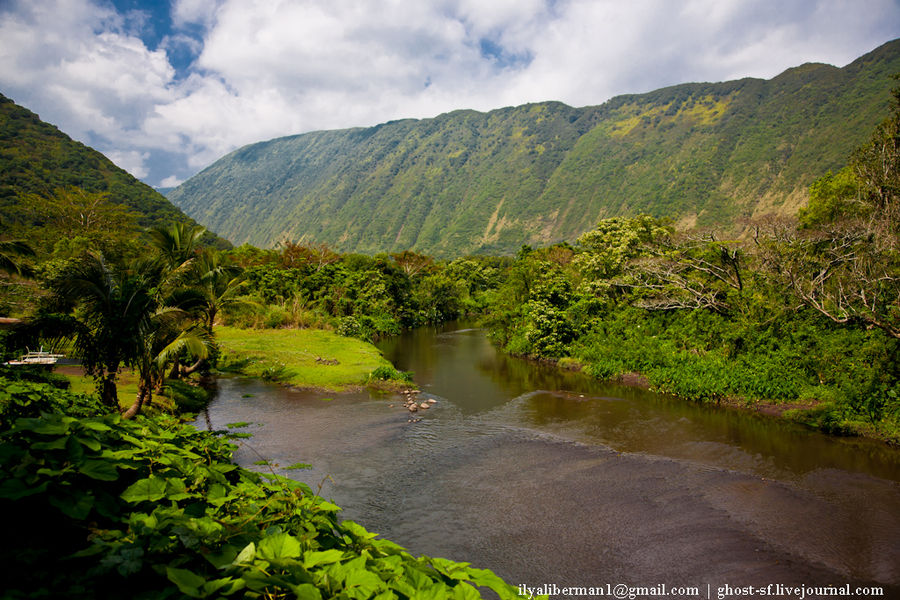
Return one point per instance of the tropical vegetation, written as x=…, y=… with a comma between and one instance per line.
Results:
x=52, y=187
x=802, y=311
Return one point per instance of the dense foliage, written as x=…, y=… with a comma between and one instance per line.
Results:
x=151, y=508
x=806, y=313
x=469, y=182
x=60, y=199
x=700, y=318
x=359, y=296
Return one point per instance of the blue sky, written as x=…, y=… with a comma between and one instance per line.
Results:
x=166, y=87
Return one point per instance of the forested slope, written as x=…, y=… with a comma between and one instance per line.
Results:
x=706, y=154
x=40, y=165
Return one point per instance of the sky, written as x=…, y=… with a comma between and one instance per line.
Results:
x=166, y=87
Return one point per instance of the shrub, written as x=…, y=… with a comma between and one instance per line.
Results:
x=186, y=397
x=150, y=508
x=20, y=399
x=387, y=373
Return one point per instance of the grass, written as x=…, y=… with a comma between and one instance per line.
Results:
x=126, y=386
x=310, y=358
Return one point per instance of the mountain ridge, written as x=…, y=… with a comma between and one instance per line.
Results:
x=706, y=154
x=37, y=160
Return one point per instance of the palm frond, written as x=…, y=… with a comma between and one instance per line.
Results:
x=193, y=340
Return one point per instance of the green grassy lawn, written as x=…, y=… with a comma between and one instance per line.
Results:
x=126, y=386
x=290, y=356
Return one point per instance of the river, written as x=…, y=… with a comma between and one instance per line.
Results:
x=548, y=477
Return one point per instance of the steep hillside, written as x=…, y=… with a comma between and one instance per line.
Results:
x=37, y=160
x=704, y=153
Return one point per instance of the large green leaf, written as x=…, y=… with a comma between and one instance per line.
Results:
x=88, y=442
x=57, y=444
x=176, y=489
x=149, y=489
x=486, y=578
x=15, y=489
x=246, y=555
x=188, y=582
x=314, y=559
x=47, y=427
x=280, y=545
x=76, y=506
x=99, y=469
x=216, y=494
x=306, y=591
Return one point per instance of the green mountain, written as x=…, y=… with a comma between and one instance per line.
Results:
x=706, y=154
x=37, y=160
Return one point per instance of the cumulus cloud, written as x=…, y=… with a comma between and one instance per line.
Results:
x=72, y=61
x=171, y=181
x=132, y=161
x=194, y=12
x=231, y=72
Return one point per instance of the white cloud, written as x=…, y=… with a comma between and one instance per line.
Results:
x=171, y=181
x=199, y=12
x=265, y=68
x=130, y=160
x=71, y=62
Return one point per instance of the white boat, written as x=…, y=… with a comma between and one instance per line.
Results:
x=37, y=358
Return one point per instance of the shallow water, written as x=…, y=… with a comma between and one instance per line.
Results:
x=548, y=477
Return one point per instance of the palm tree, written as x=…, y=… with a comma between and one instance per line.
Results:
x=124, y=322
x=206, y=287
x=9, y=250
x=219, y=285
x=177, y=244
x=161, y=344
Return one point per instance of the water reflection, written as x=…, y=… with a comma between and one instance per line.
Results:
x=570, y=405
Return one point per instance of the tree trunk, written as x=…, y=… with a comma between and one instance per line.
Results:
x=194, y=367
x=144, y=394
x=210, y=319
x=151, y=385
x=175, y=373
x=109, y=395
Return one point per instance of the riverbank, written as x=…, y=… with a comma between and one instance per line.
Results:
x=305, y=358
x=811, y=412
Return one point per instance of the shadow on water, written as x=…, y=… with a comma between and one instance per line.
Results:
x=549, y=477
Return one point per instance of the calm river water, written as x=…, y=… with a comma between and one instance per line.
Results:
x=551, y=478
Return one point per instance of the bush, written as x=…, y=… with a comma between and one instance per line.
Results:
x=369, y=328
x=186, y=397
x=22, y=399
x=569, y=363
x=349, y=327
x=149, y=508
x=34, y=374
x=606, y=369
x=826, y=417
x=386, y=373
